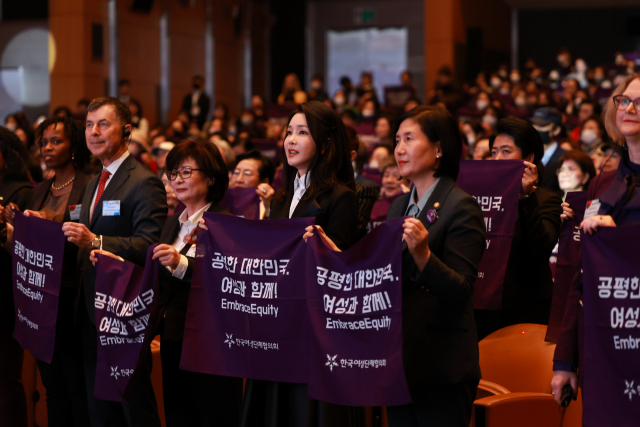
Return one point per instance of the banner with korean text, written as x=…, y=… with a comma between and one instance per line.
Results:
x=567, y=262
x=262, y=301
x=38, y=247
x=355, y=308
x=496, y=186
x=126, y=312
x=611, y=370
x=242, y=202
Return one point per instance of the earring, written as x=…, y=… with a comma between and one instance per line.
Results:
x=73, y=157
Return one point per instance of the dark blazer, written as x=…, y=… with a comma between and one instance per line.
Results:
x=336, y=211
x=203, y=103
x=439, y=341
x=528, y=283
x=143, y=212
x=174, y=292
x=15, y=191
x=70, y=259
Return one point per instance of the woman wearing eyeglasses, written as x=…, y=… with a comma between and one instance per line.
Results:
x=619, y=195
x=191, y=398
x=64, y=151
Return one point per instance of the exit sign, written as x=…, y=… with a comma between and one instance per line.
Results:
x=363, y=15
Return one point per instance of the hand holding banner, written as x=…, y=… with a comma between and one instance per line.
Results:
x=126, y=311
x=38, y=247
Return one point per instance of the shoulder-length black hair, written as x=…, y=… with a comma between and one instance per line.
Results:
x=439, y=126
x=15, y=156
x=74, y=133
x=331, y=164
x=524, y=135
x=210, y=163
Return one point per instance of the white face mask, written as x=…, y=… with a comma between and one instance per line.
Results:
x=588, y=136
x=367, y=114
x=481, y=104
x=490, y=120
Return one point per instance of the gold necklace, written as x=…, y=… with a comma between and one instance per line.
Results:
x=63, y=185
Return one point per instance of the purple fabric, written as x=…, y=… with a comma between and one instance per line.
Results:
x=611, y=370
x=257, y=310
x=567, y=263
x=126, y=312
x=355, y=308
x=247, y=314
x=496, y=186
x=38, y=247
x=268, y=147
x=396, y=96
x=242, y=202
x=373, y=174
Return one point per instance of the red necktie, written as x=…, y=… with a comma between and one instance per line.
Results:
x=101, y=185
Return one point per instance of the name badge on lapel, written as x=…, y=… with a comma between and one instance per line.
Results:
x=111, y=208
x=593, y=206
x=74, y=212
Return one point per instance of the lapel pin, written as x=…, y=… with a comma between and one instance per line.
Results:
x=436, y=205
x=432, y=216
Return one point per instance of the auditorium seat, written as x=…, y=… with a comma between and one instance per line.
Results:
x=517, y=367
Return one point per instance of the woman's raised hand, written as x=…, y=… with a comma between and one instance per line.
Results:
x=310, y=232
x=417, y=238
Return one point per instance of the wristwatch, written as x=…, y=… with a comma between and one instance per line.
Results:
x=97, y=242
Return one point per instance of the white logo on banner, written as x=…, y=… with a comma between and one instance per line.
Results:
x=229, y=340
x=331, y=362
x=115, y=372
x=630, y=390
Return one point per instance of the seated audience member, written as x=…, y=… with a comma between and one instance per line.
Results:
x=588, y=108
x=592, y=136
x=160, y=153
x=380, y=153
x=610, y=158
x=138, y=121
x=391, y=189
x=575, y=172
x=383, y=130
x=254, y=169
x=317, y=92
x=291, y=93
x=411, y=103
x=482, y=151
x=528, y=284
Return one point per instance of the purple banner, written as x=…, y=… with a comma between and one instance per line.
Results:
x=566, y=263
x=268, y=147
x=355, y=308
x=126, y=311
x=396, y=96
x=247, y=314
x=242, y=202
x=38, y=247
x=496, y=186
x=611, y=370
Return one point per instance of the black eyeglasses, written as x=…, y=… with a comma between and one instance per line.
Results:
x=622, y=102
x=184, y=173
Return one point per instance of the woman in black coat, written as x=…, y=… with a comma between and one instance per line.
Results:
x=318, y=182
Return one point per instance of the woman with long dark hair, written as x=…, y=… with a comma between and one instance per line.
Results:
x=318, y=182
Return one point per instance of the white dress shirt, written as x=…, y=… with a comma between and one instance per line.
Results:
x=187, y=225
x=112, y=168
x=300, y=185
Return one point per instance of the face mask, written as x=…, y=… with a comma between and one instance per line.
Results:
x=545, y=135
x=367, y=114
x=339, y=100
x=588, y=136
x=490, y=120
x=12, y=127
x=514, y=77
x=481, y=104
x=520, y=101
x=495, y=82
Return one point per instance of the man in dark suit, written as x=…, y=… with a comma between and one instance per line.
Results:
x=196, y=104
x=127, y=232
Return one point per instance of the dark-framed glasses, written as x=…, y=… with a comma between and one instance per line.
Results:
x=621, y=102
x=184, y=173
